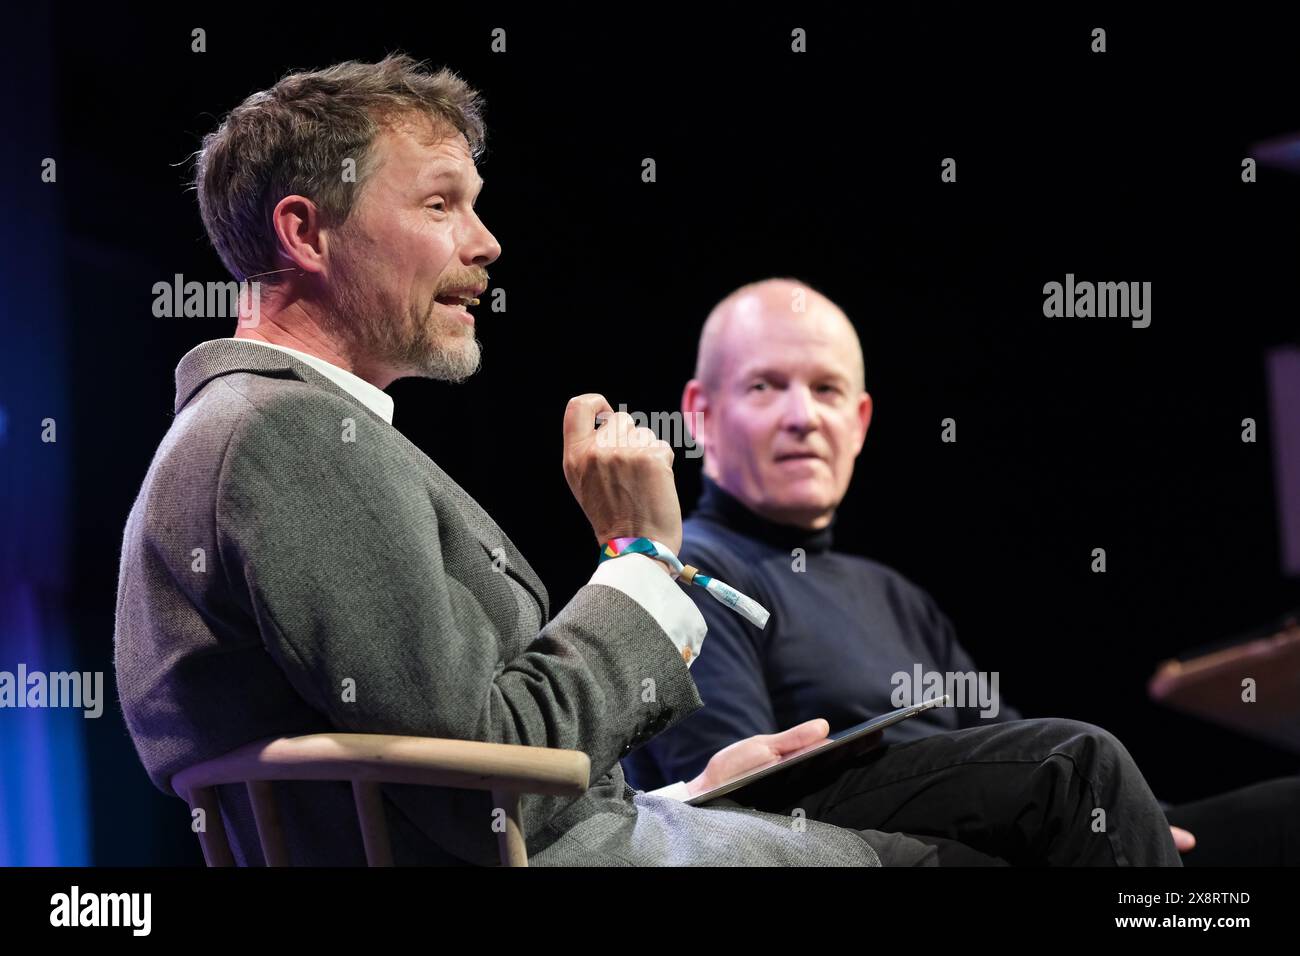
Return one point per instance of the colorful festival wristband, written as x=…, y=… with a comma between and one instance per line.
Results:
x=746, y=607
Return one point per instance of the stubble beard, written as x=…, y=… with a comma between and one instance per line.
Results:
x=412, y=338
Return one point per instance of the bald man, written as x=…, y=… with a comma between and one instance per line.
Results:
x=781, y=413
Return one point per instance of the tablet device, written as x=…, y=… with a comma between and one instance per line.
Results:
x=859, y=734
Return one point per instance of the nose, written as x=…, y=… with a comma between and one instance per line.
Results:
x=799, y=411
x=480, y=247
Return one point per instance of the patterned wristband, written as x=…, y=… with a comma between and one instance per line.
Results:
x=745, y=606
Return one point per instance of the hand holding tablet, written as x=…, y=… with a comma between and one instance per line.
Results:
x=856, y=739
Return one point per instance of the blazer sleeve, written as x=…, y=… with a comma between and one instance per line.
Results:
x=342, y=566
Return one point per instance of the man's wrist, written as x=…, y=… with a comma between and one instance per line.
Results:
x=607, y=546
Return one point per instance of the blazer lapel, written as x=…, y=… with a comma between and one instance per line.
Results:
x=219, y=357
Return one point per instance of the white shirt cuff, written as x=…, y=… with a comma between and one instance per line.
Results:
x=641, y=579
x=674, y=791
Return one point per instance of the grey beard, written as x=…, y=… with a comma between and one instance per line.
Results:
x=428, y=345
x=441, y=350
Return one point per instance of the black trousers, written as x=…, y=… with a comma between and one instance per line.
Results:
x=1027, y=793
x=1257, y=825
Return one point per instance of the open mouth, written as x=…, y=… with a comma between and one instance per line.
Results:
x=456, y=300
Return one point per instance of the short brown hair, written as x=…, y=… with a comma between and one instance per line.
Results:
x=295, y=137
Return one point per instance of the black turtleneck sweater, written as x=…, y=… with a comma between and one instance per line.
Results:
x=840, y=629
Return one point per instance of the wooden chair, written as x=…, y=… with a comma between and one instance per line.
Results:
x=368, y=760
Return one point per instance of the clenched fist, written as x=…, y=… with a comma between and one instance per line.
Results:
x=621, y=475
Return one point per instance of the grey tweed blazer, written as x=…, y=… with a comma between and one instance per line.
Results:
x=293, y=565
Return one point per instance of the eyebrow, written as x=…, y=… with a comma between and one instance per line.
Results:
x=451, y=171
x=767, y=371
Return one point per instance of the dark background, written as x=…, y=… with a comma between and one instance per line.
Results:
x=1072, y=435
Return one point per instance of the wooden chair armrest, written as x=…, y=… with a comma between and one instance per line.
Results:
x=383, y=758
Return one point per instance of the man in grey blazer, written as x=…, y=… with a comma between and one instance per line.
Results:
x=293, y=564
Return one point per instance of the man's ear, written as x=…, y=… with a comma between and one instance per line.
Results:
x=695, y=407
x=300, y=233
x=865, y=407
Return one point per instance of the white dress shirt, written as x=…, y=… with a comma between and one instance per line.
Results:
x=639, y=577
x=375, y=399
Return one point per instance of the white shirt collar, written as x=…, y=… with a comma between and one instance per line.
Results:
x=373, y=398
